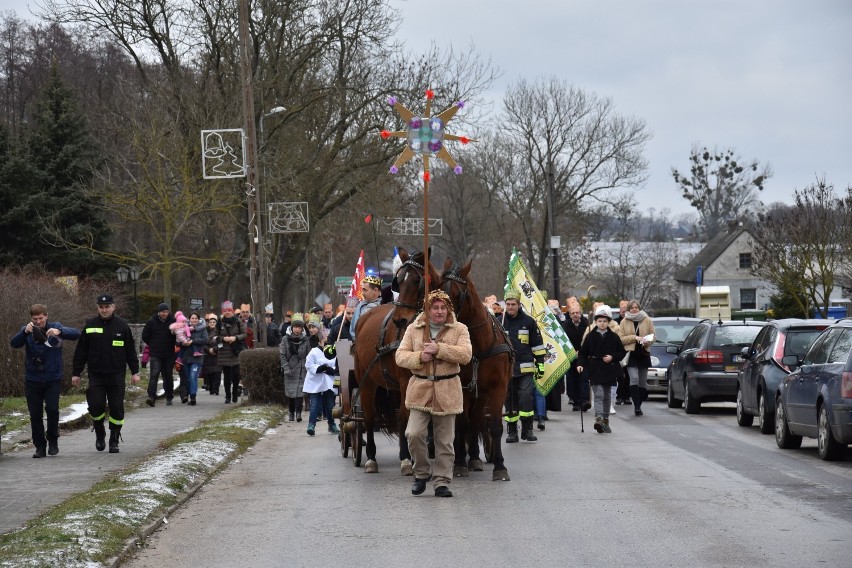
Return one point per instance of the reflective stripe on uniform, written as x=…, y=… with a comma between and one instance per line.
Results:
x=94, y=330
x=526, y=414
x=511, y=418
x=101, y=417
x=527, y=367
x=116, y=422
x=118, y=343
x=539, y=350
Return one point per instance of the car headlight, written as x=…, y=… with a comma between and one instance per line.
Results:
x=655, y=361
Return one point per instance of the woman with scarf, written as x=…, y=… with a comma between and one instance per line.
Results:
x=637, y=335
x=230, y=341
x=294, y=351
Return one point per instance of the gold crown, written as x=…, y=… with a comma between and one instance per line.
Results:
x=374, y=280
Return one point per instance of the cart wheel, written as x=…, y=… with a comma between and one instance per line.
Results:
x=357, y=446
x=345, y=442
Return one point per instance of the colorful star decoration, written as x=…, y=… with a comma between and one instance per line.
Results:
x=425, y=135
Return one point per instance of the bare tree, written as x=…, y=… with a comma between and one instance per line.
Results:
x=802, y=250
x=643, y=271
x=720, y=185
x=593, y=152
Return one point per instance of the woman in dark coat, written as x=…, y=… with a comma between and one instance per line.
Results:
x=294, y=351
x=601, y=354
x=210, y=369
x=231, y=337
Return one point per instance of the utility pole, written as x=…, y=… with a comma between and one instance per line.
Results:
x=257, y=259
x=554, y=240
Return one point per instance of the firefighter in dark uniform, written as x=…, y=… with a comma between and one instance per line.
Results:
x=529, y=365
x=106, y=345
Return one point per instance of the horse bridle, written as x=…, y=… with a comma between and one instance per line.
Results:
x=451, y=277
x=421, y=270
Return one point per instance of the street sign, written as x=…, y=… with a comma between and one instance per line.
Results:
x=341, y=281
x=196, y=304
x=699, y=275
x=322, y=299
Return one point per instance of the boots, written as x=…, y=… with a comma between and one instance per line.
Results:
x=599, y=424
x=636, y=395
x=541, y=422
x=512, y=433
x=299, y=416
x=606, y=428
x=527, y=431
x=52, y=447
x=192, y=400
x=100, y=435
x=291, y=417
x=114, y=435
x=39, y=452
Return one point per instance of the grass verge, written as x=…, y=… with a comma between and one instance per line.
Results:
x=93, y=528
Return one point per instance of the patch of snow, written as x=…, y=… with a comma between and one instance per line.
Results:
x=74, y=412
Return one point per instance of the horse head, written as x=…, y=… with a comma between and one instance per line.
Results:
x=456, y=282
x=410, y=280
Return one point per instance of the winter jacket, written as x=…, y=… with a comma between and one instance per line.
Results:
x=591, y=354
x=294, y=352
x=227, y=327
x=443, y=395
x=159, y=338
x=335, y=329
x=525, y=336
x=314, y=381
x=211, y=356
x=107, y=347
x=43, y=361
x=639, y=357
x=199, y=341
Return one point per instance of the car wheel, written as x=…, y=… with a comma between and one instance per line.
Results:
x=765, y=415
x=671, y=401
x=785, y=439
x=829, y=448
x=744, y=419
x=690, y=403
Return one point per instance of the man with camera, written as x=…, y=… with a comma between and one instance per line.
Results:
x=43, y=375
x=106, y=346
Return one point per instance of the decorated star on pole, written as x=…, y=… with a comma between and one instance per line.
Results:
x=425, y=135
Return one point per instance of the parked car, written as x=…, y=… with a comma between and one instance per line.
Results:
x=763, y=369
x=706, y=366
x=815, y=400
x=668, y=331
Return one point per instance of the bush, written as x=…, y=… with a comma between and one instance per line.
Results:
x=259, y=374
x=70, y=304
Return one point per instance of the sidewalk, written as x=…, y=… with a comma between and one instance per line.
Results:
x=32, y=486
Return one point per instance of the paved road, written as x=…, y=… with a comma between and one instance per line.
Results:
x=31, y=486
x=667, y=489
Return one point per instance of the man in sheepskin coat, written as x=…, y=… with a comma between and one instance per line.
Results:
x=434, y=347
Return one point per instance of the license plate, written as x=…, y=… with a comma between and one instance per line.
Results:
x=737, y=358
x=731, y=368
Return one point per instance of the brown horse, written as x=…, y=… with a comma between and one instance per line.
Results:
x=485, y=379
x=381, y=384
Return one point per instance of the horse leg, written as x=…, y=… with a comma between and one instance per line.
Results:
x=460, y=445
x=500, y=472
x=406, y=466
x=475, y=424
x=368, y=401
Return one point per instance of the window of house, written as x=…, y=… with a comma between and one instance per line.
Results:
x=748, y=298
x=745, y=260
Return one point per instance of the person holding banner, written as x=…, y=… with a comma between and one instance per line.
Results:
x=601, y=354
x=529, y=364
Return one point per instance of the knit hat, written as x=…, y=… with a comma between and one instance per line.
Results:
x=297, y=321
x=163, y=307
x=512, y=295
x=227, y=305
x=438, y=295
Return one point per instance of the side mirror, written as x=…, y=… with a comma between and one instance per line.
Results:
x=791, y=360
x=673, y=349
x=746, y=352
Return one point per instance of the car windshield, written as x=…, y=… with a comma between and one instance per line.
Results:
x=798, y=341
x=672, y=331
x=735, y=335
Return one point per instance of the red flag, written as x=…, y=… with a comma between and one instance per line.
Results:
x=368, y=218
x=355, y=289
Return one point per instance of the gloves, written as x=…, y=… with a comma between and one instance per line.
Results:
x=539, y=371
x=325, y=369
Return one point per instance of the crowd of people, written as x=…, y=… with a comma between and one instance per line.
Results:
x=613, y=357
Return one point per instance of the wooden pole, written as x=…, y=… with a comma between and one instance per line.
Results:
x=426, y=233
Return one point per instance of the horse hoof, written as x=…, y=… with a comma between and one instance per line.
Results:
x=475, y=465
x=371, y=467
x=406, y=468
x=500, y=475
x=460, y=471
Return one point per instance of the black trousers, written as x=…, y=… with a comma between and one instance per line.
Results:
x=519, y=399
x=106, y=390
x=43, y=397
x=232, y=381
x=213, y=381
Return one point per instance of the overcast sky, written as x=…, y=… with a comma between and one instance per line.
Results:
x=770, y=78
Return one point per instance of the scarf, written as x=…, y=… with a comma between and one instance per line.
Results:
x=637, y=317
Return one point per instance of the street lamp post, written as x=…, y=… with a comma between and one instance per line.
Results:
x=133, y=274
x=265, y=270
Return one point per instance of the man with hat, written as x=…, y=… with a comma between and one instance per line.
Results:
x=43, y=375
x=371, y=288
x=529, y=364
x=106, y=345
x=161, y=346
x=433, y=347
